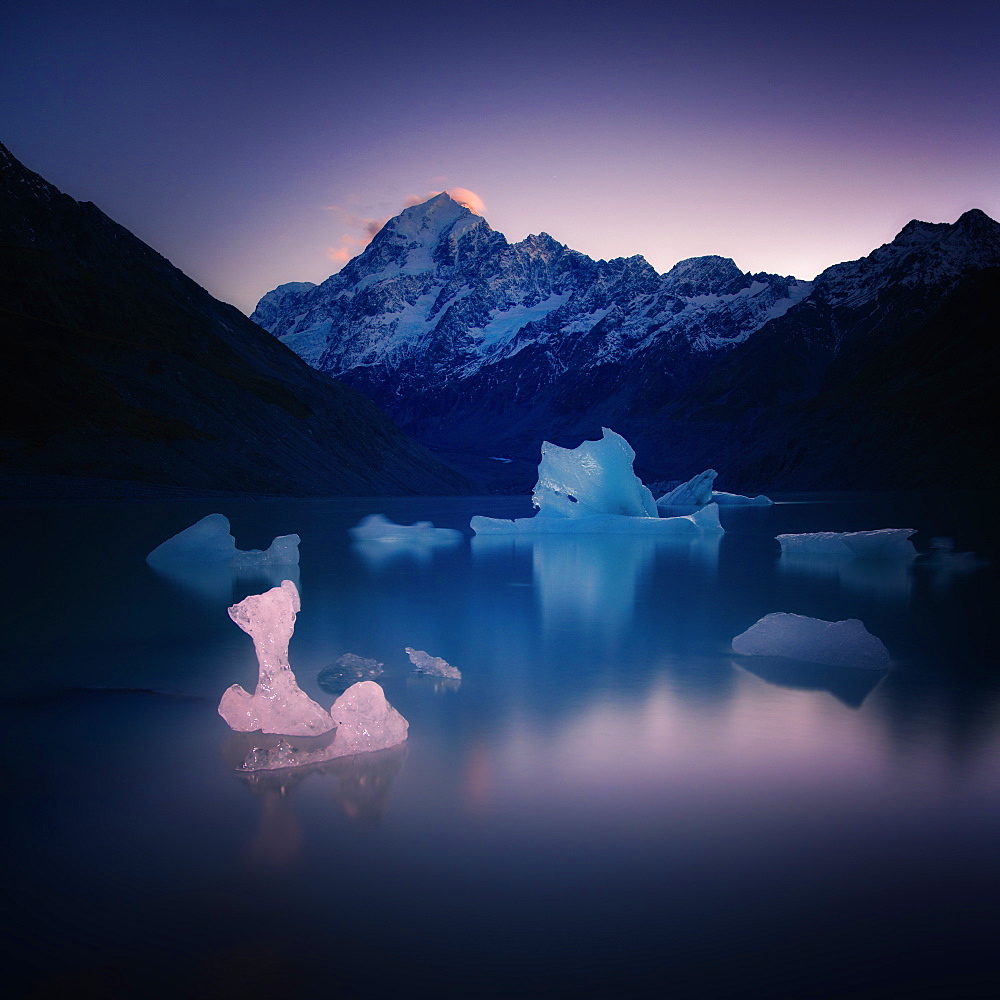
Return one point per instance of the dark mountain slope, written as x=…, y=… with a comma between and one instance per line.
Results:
x=118, y=366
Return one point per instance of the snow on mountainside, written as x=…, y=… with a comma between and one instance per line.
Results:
x=439, y=303
x=483, y=348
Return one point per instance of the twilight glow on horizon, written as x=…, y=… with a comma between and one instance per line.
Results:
x=254, y=142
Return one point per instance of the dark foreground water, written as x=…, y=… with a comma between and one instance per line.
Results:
x=611, y=803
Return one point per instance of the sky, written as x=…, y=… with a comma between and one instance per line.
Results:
x=255, y=142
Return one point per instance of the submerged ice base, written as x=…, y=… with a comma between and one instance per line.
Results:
x=365, y=722
x=210, y=541
x=796, y=637
x=701, y=523
x=882, y=543
x=278, y=705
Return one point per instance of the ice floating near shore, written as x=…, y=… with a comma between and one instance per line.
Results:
x=278, y=705
x=883, y=543
x=378, y=528
x=698, y=491
x=592, y=489
x=365, y=722
x=433, y=666
x=210, y=541
x=845, y=643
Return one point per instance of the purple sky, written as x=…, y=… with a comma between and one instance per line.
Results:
x=250, y=141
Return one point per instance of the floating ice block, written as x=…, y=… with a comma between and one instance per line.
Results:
x=698, y=491
x=846, y=643
x=701, y=523
x=882, y=543
x=278, y=705
x=377, y=527
x=434, y=666
x=365, y=722
x=347, y=670
x=210, y=541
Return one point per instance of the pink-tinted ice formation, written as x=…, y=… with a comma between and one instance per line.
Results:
x=433, y=666
x=365, y=722
x=278, y=705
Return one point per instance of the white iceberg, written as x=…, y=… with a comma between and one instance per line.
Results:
x=882, y=543
x=210, y=541
x=694, y=493
x=796, y=637
x=278, y=705
x=378, y=528
x=365, y=722
x=698, y=491
x=433, y=666
x=592, y=488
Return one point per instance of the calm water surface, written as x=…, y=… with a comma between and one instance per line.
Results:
x=610, y=803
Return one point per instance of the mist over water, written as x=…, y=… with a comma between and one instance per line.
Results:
x=609, y=797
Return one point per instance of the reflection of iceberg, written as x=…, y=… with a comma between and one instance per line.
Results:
x=210, y=541
x=845, y=643
x=698, y=491
x=879, y=579
x=361, y=789
x=883, y=543
x=592, y=489
x=850, y=687
x=278, y=705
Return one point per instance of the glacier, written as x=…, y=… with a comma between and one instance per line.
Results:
x=881, y=543
x=797, y=637
x=210, y=541
x=592, y=488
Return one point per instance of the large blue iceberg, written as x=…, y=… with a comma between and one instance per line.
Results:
x=592, y=489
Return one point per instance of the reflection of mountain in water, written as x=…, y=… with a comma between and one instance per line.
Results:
x=359, y=784
x=848, y=685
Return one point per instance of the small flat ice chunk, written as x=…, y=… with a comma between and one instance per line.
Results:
x=594, y=478
x=210, y=541
x=278, y=705
x=701, y=523
x=694, y=493
x=735, y=500
x=347, y=670
x=846, y=643
x=882, y=543
x=377, y=527
x=433, y=666
x=365, y=722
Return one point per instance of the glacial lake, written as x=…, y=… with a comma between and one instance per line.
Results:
x=610, y=803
